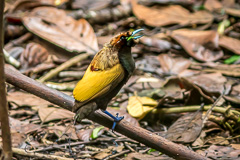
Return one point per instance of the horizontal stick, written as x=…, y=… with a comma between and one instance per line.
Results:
x=136, y=133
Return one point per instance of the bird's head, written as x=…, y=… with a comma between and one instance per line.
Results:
x=126, y=39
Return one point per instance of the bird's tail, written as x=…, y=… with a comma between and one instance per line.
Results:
x=84, y=110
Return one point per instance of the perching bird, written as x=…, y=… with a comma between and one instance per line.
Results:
x=109, y=70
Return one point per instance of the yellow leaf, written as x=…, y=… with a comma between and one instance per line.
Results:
x=138, y=107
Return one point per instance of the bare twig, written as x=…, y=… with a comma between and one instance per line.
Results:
x=118, y=154
x=211, y=109
x=67, y=86
x=74, y=74
x=63, y=66
x=38, y=155
x=18, y=41
x=137, y=133
x=10, y=59
x=6, y=134
x=232, y=114
x=104, y=15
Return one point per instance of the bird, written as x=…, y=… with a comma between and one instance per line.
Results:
x=108, y=71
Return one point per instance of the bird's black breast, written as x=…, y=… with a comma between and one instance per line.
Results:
x=127, y=62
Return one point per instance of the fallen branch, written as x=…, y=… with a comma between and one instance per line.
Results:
x=63, y=66
x=38, y=155
x=232, y=114
x=137, y=133
x=5, y=134
x=104, y=15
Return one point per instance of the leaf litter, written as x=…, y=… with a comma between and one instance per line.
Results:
x=187, y=58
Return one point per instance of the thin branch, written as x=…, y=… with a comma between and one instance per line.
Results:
x=38, y=155
x=10, y=59
x=63, y=66
x=232, y=114
x=139, y=134
x=6, y=134
x=18, y=41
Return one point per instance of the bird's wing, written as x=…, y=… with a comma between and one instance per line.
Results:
x=97, y=83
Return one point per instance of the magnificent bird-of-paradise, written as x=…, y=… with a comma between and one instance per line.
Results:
x=109, y=70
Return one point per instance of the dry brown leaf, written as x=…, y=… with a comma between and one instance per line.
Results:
x=212, y=5
x=173, y=65
x=202, y=45
x=172, y=88
x=225, y=69
x=218, y=140
x=54, y=25
x=22, y=126
x=186, y=129
x=231, y=44
x=92, y=5
x=173, y=14
x=222, y=152
x=102, y=155
x=138, y=107
x=203, y=87
x=236, y=146
x=234, y=73
x=47, y=114
x=108, y=151
x=33, y=55
x=211, y=83
x=26, y=99
x=140, y=156
x=17, y=139
x=156, y=44
x=64, y=132
x=84, y=134
x=234, y=95
x=233, y=12
x=228, y=3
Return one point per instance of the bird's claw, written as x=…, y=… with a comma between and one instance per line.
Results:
x=115, y=119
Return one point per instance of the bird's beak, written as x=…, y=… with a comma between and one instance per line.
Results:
x=135, y=32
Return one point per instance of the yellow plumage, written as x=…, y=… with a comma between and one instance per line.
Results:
x=109, y=70
x=96, y=83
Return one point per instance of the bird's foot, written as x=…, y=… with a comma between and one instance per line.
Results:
x=115, y=118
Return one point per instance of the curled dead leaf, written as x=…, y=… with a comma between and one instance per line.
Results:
x=223, y=152
x=33, y=55
x=202, y=45
x=85, y=134
x=138, y=107
x=173, y=14
x=231, y=44
x=55, y=26
x=186, y=129
x=212, y=5
x=173, y=65
x=47, y=114
x=159, y=45
x=211, y=83
x=233, y=12
x=64, y=132
x=26, y=99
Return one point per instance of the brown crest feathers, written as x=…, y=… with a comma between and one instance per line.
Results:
x=117, y=41
x=104, y=59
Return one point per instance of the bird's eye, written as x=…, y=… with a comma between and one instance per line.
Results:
x=122, y=38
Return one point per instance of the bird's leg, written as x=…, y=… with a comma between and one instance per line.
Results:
x=116, y=119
